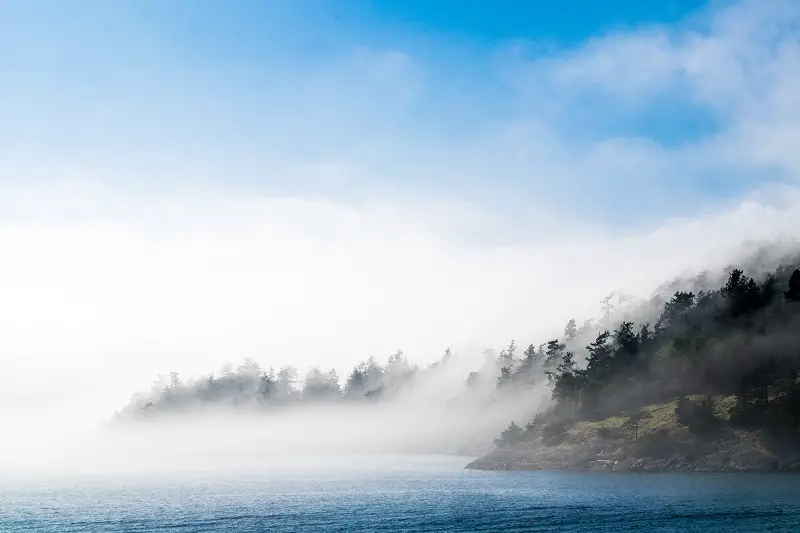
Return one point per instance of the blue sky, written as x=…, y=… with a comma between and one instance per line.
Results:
x=211, y=91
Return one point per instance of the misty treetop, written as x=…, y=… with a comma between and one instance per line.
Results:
x=251, y=386
x=741, y=338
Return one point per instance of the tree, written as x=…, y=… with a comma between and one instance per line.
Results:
x=644, y=335
x=473, y=379
x=540, y=352
x=741, y=292
x=599, y=361
x=627, y=343
x=288, y=374
x=397, y=369
x=356, y=383
x=505, y=377
x=320, y=385
x=632, y=425
x=370, y=375
x=398, y=363
x=567, y=364
x=506, y=357
x=767, y=290
x=530, y=356
x=587, y=325
x=570, y=330
x=529, y=360
x=699, y=417
x=534, y=426
x=676, y=308
x=793, y=293
x=266, y=386
x=554, y=353
x=513, y=435
x=445, y=358
x=567, y=382
x=511, y=350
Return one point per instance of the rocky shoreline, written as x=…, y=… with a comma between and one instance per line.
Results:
x=587, y=447
x=754, y=462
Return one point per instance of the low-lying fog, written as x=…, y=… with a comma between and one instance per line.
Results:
x=103, y=313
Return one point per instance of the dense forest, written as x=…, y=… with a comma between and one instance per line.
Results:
x=248, y=386
x=738, y=340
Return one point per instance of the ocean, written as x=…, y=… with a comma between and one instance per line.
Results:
x=399, y=494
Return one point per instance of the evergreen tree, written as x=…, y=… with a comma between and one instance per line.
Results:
x=356, y=383
x=266, y=386
x=505, y=377
x=529, y=360
x=320, y=385
x=793, y=293
x=513, y=435
x=626, y=342
x=600, y=359
x=530, y=357
x=675, y=310
x=644, y=335
x=554, y=353
x=567, y=364
x=570, y=330
x=741, y=292
x=506, y=357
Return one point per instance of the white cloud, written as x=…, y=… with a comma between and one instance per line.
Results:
x=188, y=283
x=741, y=63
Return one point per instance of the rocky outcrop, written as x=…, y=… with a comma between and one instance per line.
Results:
x=662, y=451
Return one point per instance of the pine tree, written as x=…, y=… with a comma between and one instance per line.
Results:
x=513, y=435
x=598, y=364
x=741, y=292
x=627, y=343
x=793, y=294
x=554, y=353
x=505, y=377
x=570, y=330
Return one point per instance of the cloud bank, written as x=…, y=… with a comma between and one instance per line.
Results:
x=367, y=205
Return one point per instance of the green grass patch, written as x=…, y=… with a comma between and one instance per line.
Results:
x=657, y=417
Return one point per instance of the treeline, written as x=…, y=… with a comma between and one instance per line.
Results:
x=741, y=339
x=250, y=386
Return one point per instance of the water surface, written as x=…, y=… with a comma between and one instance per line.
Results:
x=400, y=494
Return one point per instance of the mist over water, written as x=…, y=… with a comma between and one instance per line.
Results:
x=435, y=413
x=437, y=410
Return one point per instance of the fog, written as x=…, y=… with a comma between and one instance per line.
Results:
x=96, y=307
x=432, y=413
x=366, y=202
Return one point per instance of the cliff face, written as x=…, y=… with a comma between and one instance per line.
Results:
x=657, y=443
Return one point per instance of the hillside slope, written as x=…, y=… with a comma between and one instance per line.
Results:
x=659, y=441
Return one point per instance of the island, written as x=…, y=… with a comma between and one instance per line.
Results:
x=712, y=387
x=701, y=376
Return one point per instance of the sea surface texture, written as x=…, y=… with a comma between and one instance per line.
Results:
x=400, y=495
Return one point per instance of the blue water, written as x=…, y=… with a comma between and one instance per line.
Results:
x=434, y=494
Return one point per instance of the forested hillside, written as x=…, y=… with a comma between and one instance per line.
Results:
x=712, y=382
x=738, y=344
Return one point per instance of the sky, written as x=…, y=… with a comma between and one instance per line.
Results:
x=186, y=184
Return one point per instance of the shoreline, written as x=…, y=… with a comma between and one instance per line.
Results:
x=561, y=460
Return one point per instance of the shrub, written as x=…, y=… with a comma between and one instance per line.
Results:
x=554, y=433
x=513, y=435
x=699, y=417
